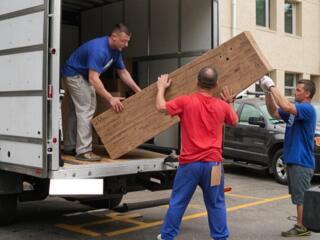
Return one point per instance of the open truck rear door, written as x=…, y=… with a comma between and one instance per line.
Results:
x=23, y=86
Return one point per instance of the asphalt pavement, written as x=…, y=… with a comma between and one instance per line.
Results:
x=258, y=209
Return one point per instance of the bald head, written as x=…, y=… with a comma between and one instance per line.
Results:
x=207, y=78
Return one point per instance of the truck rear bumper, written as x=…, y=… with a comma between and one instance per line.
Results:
x=118, y=168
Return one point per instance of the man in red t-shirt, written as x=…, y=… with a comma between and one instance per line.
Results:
x=202, y=119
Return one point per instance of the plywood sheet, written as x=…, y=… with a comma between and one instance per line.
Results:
x=239, y=63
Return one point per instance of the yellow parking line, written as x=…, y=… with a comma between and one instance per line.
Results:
x=193, y=216
x=267, y=200
x=142, y=225
x=241, y=196
x=164, y=206
x=77, y=229
x=112, y=218
x=195, y=206
x=99, y=222
x=129, y=220
x=133, y=229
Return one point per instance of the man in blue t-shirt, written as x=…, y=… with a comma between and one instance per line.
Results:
x=81, y=75
x=300, y=118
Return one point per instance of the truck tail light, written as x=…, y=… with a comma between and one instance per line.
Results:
x=53, y=51
x=50, y=90
x=317, y=141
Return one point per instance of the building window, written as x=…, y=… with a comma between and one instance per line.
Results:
x=262, y=13
x=289, y=17
x=266, y=14
x=290, y=82
x=293, y=17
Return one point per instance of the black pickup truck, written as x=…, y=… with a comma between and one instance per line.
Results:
x=257, y=141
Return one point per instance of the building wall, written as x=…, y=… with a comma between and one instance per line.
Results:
x=298, y=53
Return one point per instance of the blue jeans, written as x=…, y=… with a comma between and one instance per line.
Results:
x=188, y=177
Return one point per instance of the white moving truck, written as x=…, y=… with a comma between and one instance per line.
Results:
x=35, y=36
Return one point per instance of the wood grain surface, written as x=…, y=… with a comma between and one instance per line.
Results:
x=238, y=62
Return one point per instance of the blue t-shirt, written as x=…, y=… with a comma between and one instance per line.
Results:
x=299, y=135
x=94, y=55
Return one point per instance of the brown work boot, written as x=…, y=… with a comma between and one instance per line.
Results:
x=88, y=156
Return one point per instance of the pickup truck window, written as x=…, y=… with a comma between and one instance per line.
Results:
x=236, y=106
x=249, y=111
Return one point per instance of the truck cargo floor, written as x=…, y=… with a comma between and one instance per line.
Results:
x=99, y=150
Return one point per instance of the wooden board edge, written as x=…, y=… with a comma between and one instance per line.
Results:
x=258, y=50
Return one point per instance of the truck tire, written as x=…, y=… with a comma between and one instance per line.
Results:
x=104, y=203
x=8, y=208
x=279, y=169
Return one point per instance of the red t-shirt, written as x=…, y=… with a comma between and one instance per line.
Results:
x=202, y=119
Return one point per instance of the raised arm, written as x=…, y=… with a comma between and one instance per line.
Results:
x=229, y=97
x=163, y=83
x=274, y=97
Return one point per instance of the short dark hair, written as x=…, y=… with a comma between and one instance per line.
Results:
x=309, y=86
x=120, y=27
x=207, y=78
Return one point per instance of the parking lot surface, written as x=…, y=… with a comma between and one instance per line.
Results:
x=258, y=208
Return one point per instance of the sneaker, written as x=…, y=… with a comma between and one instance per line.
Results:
x=296, y=231
x=159, y=237
x=88, y=156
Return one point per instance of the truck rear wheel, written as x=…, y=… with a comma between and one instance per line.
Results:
x=8, y=208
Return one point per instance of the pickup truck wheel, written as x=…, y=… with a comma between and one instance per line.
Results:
x=105, y=203
x=8, y=208
x=279, y=169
